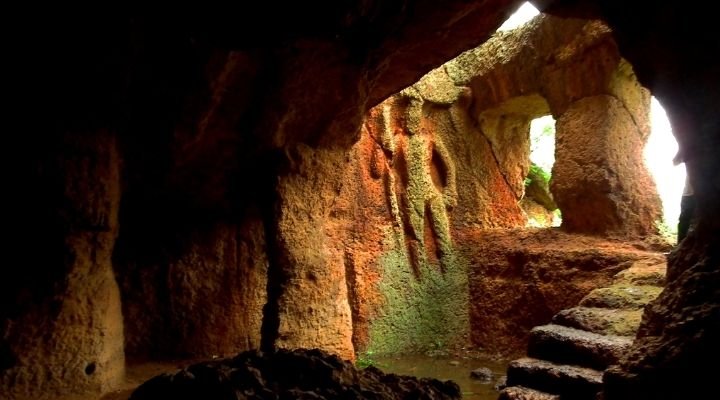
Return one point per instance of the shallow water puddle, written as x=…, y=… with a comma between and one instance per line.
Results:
x=444, y=368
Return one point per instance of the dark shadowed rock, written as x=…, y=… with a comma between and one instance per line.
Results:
x=566, y=380
x=523, y=393
x=482, y=374
x=577, y=347
x=501, y=383
x=285, y=374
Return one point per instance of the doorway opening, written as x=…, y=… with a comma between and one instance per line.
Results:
x=659, y=151
x=538, y=203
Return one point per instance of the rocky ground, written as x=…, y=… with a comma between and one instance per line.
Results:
x=521, y=278
x=285, y=374
x=550, y=269
x=567, y=357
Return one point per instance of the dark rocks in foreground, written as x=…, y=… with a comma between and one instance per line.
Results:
x=289, y=374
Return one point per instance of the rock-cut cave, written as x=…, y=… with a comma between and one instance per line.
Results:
x=284, y=190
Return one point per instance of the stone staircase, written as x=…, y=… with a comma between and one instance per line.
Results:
x=566, y=358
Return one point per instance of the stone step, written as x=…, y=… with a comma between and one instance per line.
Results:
x=621, y=296
x=523, y=393
x=604, y=321
x=561, y=344
x=643, y=274
x=571, y=382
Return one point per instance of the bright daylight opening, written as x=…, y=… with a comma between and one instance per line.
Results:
x=542, y=142
x=669, y=179
x=542, y=158
x=525, y=13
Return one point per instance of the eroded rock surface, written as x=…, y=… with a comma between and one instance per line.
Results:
x=569, y=359
x=63, y=332
x=670, y=342
x=573, y=69
x=208, y=113
x=534, y=274
x=449, y=155
x=425, y=173
x=599, y=178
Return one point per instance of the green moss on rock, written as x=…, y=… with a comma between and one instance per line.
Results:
x=621, y=296
x=423, y=311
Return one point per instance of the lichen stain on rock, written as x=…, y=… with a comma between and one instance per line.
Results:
x=437, y=175
x=421, y=311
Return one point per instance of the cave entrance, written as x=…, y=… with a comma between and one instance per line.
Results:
x=521, y=16
x=660, y=149
x=538, y=203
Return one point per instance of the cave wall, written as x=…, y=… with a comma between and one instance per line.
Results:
x=425, y=174
x=206, y=301
x=520, y=278
x=65, y=334
x=191, y=255
x=677, y=337
x=451, y=153
x=218, y=123
x=138, y=79
x=599, y=179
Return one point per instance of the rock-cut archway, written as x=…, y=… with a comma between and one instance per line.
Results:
x=602, y=112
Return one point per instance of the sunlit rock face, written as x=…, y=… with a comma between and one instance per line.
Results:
x=600, y=180
x=446, y=159
x=425, y=173
x=449, y=155
x=566, y=67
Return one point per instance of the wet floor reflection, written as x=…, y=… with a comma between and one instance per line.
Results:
x=443, y=368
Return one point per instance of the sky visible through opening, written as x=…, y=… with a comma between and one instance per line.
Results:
x=542, y=142
x=660, y=149
x=525, y=13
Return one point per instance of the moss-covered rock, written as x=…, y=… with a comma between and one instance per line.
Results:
x=537, y=187
x=621, y=296
x=604, y=321
x=423, y=310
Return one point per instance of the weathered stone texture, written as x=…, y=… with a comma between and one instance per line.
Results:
x=67, y=337
x=599, y=178
x=206, y=302
x=205, y=114
x=312, y=298
x=553, y=65
x=432, y=174
x=678, y=329
x=520, y=278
